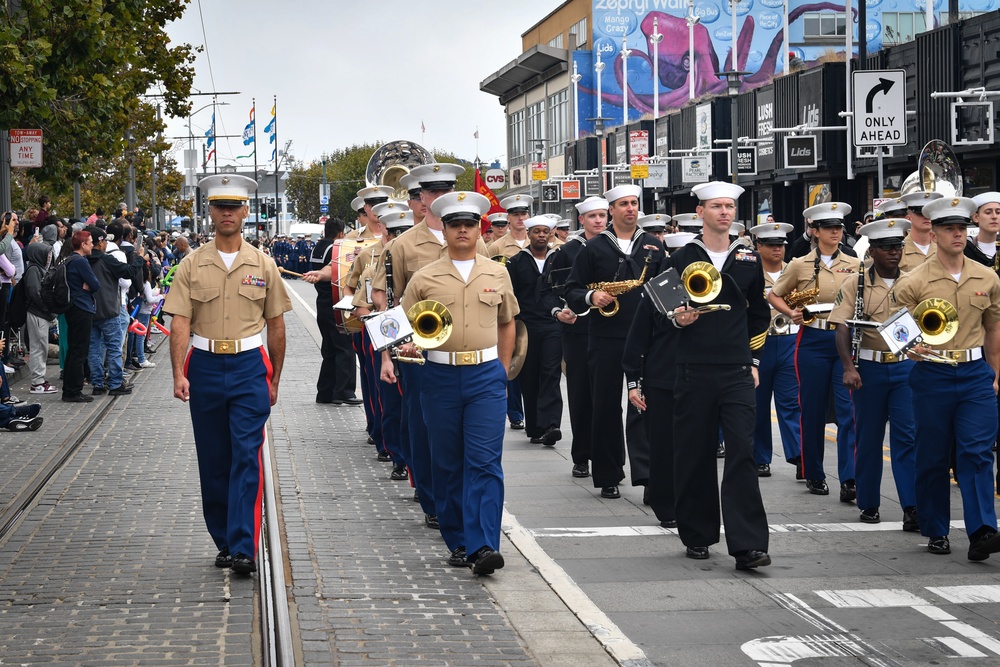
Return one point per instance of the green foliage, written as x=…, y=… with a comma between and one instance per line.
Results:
x=345, y=175
x=76, y=69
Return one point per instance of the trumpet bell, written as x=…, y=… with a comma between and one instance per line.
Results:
x=702, y=281
x=432, y=323
x=937, y=319
x=780, y=325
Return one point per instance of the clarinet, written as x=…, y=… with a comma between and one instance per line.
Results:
x=389, y=296
x=859, y=309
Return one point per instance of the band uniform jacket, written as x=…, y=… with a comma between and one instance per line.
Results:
x=733, y=336
x=650, y=349
x=555, y=282
x=973, y=252
x=602, y=260
x=411, y=251
x=913, y=256
x=527, y=282
x=879, y=305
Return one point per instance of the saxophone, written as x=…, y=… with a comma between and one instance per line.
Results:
x=619, y=287
x=801, y=299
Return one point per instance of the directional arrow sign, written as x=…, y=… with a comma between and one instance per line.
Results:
x=879, y=107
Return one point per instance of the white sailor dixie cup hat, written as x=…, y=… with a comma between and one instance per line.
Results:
x=517, y=203
x=949, y=211
x=497, y=219
x=619, y=191
x=920, y=198
x=437, y=177
x=460, y=206
x=592, y=204
x=737, y=228
x=654, y=221
x=717, y=190
x=411, y=184
x=772, y=233
x=376, y=194
x=396, y=220
x=391, y=206
x=891, y=208
x=830, y=214
x=986, y=198
x=885, y=231
x=227, y=189
x=678, y=239
x=357, y=204
x=544, y=220
x=689, y=221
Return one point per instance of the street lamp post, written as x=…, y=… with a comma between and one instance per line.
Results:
x=626, y=52
x=576, y=102
x=656, y=38
x=692, y=21
x=599, y=68
x=733, y=83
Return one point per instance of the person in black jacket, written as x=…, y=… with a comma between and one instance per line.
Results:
x=37, y=259
x=620, y=253
x=717, y=355
x=83, y=288
x=541, y=372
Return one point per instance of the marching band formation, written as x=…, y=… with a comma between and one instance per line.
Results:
x=703, y=327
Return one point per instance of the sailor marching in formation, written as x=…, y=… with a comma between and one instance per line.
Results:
x=793, y=335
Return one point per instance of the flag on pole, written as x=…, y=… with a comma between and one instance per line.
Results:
x=274, y=153
x=485, y=191
x=244, y=157
x=208, y=158
x=210, y=133
x=476, y=135
x=269, y=128
x=422, y=128
x=249, y=130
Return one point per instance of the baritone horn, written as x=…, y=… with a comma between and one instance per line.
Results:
x=702, y=282
x=938, y=322
x=780, y=325
x=392, y=161
x=432, y=326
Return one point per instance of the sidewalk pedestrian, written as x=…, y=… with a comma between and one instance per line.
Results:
x=83, y=286
x=37, y=259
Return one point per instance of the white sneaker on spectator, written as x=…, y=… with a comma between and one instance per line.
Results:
x=44, y=388
x=8, y=370
x=12, y=400
x=147, y=364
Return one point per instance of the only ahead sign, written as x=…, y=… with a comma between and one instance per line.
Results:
x=879, y=107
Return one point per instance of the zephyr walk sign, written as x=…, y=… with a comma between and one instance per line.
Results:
x=879, y=107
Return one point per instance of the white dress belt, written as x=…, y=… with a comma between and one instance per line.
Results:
x=226, y=346
x=470, y=358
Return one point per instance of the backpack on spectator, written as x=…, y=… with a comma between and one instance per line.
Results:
x=55, y=288
x=17, y=308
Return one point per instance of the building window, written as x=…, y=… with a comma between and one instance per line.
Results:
x=580, y=30
x=559, y=132
x=556, y=42
x=515, y=138
x=900, y=27
x=536, y=125
x=824, y=25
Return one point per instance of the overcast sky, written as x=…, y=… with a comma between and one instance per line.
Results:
x=347, y=73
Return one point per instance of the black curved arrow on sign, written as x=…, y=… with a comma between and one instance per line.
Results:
x=884, y=85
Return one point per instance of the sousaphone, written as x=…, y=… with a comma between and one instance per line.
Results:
x=937, y=171
x=394, y=160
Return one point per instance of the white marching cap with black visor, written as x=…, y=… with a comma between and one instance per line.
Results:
x=460, y=206
x=227, y=189
x=772, y=233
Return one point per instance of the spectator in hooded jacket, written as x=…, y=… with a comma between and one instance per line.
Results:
x=37, y=259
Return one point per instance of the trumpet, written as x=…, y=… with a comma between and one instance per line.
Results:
x=938, y=322
x=432, y=324
x=703, y=282
x=618, y=287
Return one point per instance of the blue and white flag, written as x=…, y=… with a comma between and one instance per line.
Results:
x=274, y=153
x=249, y=130
x=210, y=133
x=269, y=128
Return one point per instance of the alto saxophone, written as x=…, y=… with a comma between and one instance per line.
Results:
x=802, y=298
x=618, y=287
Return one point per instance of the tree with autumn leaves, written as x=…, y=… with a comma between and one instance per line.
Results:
x=82, y=71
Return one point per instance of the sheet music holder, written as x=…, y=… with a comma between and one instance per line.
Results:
x=666, y=291
x=387, y=328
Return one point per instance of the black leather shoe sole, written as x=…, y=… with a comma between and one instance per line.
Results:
x=24, y=424
x=79, y=398
x=610, y=492
x=817, y=487
x=870, y=516
x=697, y=553
x=488, y=563
x=581, y=470
x=224, y=559
x=551, y=437
x=983, y=547
x=98, y=391
x=752, y=559
x=352, y=401
x=669, y=523
x=243, y=564
x=537, y=440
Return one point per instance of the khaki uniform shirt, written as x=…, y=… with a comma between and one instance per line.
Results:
x=798, y=275
x=363, y=288
x=976, y=297
x=365, y=258
x=555, y=242
x=506, y=246
x=913, y=256
x=363, y=233
x=476, y=306
x=227, y=304
x=879, y=305
x=410, y=252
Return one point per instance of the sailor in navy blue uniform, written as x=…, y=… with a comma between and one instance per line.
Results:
x=880, y=384
x=221, y=297
x=956, y=402
x=717, y=357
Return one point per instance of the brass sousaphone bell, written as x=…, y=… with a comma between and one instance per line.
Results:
x=394, y=160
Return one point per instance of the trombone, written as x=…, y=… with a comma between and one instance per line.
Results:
x=938, y=322
x=702, y=282
x=432, y=326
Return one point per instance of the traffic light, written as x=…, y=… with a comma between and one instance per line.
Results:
x=263, y=209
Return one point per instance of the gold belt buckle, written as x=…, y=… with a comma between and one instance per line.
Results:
x=465, y=358
x=889, y=357
x=225, y=347
x=957, y=355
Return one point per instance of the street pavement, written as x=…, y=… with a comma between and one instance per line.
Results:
x=112, y=564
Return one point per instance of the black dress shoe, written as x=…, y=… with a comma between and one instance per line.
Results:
x=79, y=398
x=351, y=400
x=870, y=515
x=751, y=559
x=939, y=545
x=431, y=521
x=371, y=440
x=763, y=470
x=848, y=492
x=243, y=564
x=486, y=561
x=383, y=457
x=610, y=492
x=97, y=391
x=551, y=437
x=982, y=547
x=910, y=522
x=697, y=553
x=416, y=496
x=120, y=391
x=517, y=425
x=668, y=523
x=797, y=462
x=457, y=558
x=398, y=473
x=324, y=400
x=645, y=495
x=535, y=440
x=817, y=487
x=581, y=470
x=223, y=559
